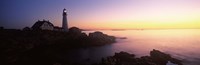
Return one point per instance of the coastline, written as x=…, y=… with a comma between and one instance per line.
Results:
x=44, y=46
x=51, y=52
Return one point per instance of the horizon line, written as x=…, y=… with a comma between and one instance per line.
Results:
x=139, y=29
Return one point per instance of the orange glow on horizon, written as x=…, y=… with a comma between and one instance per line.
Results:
x=135, y=25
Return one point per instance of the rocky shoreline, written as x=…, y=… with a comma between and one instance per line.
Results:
x=44, y=47
x=156, y=58
x=28, y=47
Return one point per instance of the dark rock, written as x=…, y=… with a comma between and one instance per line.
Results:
x=98, y=38
x=162, y=58
x=124, y=58
x=74, y=30
x=122, y=37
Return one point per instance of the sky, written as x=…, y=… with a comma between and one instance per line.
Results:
x=103, y=14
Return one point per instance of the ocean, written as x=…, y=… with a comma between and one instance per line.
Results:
x=183, y=44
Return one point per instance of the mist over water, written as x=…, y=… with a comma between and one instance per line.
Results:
x=183, y=44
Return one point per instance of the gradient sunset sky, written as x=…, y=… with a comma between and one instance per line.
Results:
x=103, y=14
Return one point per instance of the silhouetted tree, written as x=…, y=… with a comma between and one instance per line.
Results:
x=1, y=28
x=26, y=29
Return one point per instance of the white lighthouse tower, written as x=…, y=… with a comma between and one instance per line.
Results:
x=64, y=21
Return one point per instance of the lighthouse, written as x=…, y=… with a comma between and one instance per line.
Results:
x=64, y=21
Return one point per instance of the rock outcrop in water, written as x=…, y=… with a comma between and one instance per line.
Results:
x=156, y=58
x=99, y=38
x=162, y=58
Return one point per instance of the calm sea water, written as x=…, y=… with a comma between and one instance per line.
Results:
x=183, y=44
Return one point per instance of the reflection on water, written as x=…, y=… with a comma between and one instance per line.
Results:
x=183, y=44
